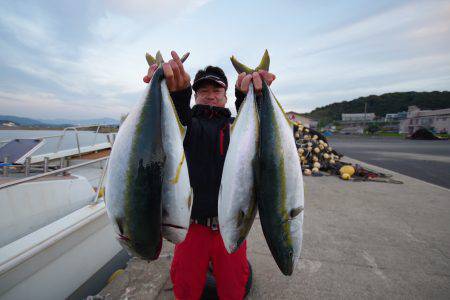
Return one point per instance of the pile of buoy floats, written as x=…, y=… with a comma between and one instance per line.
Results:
x=317, y=155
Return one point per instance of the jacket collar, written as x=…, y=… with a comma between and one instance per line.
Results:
x=210, y=111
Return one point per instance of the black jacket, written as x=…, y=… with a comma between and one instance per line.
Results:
x=205, y=145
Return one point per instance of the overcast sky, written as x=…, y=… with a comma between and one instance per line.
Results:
x=86, y=59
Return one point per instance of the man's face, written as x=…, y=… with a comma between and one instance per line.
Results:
x=211, y=94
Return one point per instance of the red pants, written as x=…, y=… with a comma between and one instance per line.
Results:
x=191, y=260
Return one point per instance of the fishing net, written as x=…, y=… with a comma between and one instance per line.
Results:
x=318, y=158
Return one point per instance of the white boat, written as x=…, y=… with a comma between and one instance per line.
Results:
x=55, y=234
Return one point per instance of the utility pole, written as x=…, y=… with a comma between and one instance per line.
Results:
x=365, y=114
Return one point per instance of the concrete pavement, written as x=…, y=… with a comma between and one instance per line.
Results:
x=361, y=240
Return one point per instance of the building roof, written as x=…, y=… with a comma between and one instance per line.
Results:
x=358, y=115
x=437, y=112
x=299, y=114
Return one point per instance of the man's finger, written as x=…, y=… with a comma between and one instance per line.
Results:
x=268, y=77
x=168, y=74
x=186, y=78
x=152, y=70
x=177, y=59
x=183, y=75
x=245, y=83
x=257, y=82
x=176, y=73
x=239, y=79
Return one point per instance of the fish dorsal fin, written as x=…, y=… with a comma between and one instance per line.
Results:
x=263, y=65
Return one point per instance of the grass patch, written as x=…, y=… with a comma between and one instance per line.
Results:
x=443, y=135
x=388, y=134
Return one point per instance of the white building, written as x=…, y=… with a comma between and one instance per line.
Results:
x=9, y=124
x=395, y=117
x=297, y=117
x=358, y=117
x=437, y=120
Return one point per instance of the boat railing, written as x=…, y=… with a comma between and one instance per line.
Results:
x=57, y=152
x=77, y=138
x=65, y=170
x=75, y=129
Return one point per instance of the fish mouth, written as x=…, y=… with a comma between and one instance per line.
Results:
x=232, y=248
x=289, y=264
x=288, y=270
x=125, y=242
x=123, y=238
x=174, y=226
x=137, y=249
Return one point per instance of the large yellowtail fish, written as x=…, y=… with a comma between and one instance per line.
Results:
x=237, y=202
x=177, y=194
x=139, y=170
x=279, y=182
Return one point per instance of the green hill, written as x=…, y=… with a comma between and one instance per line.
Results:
x=382, y=105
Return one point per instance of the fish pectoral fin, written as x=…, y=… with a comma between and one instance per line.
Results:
x=190, y=198
x=295, y=212
x=183, y=131
x=177, y=174
x=240, y=218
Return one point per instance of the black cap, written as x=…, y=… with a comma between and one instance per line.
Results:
x=210, y=73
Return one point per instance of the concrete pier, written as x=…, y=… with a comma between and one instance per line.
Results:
x=361, y=240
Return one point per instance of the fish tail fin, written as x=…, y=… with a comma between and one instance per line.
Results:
x=265, y=62
x=159, y=58
x=240, y=67
x=263, y=65
x=150, y=59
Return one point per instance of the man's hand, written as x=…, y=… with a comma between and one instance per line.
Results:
x=176, y=77
x=243, y=80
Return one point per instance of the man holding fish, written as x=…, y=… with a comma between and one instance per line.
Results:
x=205, y=145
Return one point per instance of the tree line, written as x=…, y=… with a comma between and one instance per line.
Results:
x=382, y=104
